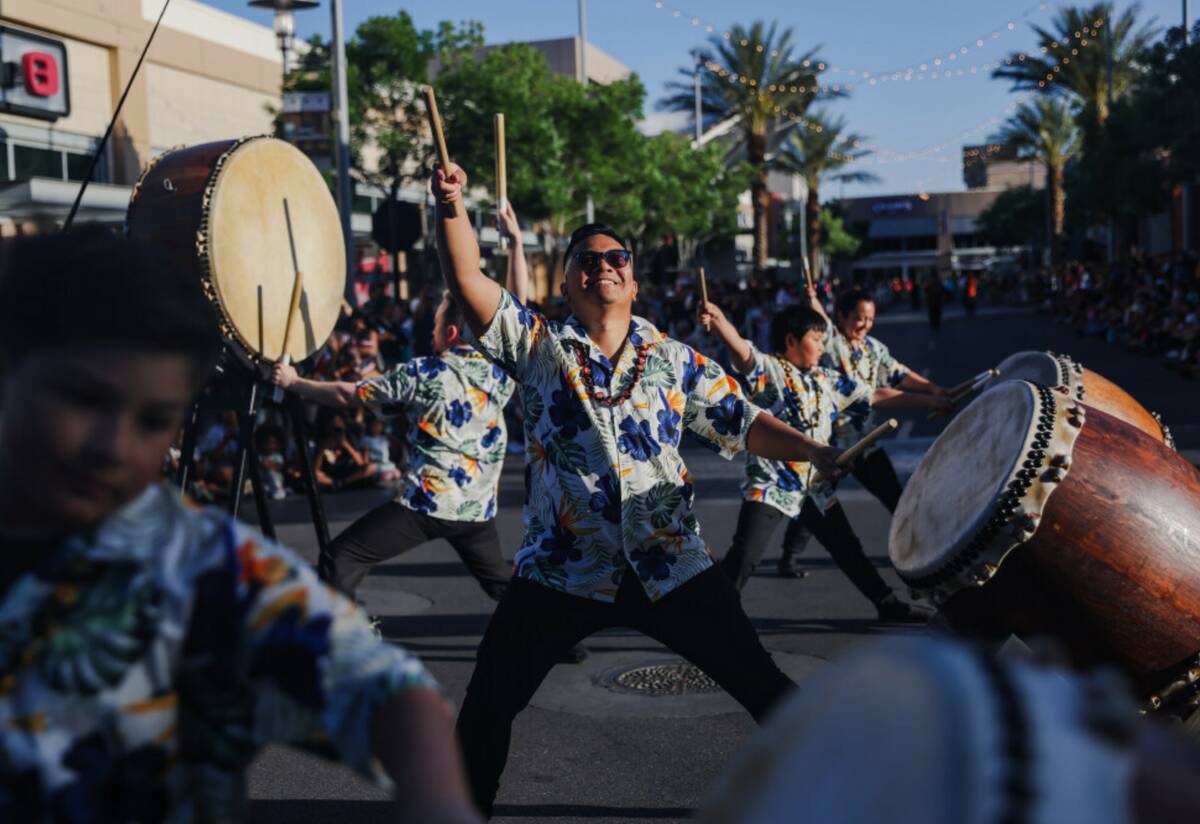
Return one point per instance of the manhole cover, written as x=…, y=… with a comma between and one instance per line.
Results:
x=676, y=678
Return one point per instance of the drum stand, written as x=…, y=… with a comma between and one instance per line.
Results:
x=235, y=387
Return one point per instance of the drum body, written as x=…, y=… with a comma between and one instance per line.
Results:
x=1035, y=514
x=1093, y=389
x=218, y=209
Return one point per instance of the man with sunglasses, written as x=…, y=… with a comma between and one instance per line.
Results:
x=611, y=538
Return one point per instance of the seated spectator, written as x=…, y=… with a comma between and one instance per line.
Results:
x=377, y=447
x=338, y=464
x=268, y=441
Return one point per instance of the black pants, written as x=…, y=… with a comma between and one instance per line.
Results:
x=757, y=523
x=390, y=529
x=877, y=475
x=534, y=625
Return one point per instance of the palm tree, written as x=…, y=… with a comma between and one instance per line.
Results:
x=817, y=151
x=1072, y=56
x=1045, y=129
x=753, y=77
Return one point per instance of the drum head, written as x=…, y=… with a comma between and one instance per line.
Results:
x=958, y=482
x=1037, y=367
x=250, y=259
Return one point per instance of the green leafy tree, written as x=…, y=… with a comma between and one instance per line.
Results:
x=836, y=240
x=687, y=192
x=1063, y=64
x=817, y=151
x=756, y=77
x=1016, y=217
x=1044, y=129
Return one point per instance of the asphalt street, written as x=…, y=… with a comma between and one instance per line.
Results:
x=587, y=751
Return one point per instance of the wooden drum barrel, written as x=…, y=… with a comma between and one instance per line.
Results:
x=1034, y=513
x=218, y=209
x=1093, y=389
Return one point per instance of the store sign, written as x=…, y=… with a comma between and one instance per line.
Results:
x=306, y=125
x=892, y=207
x=33, y=75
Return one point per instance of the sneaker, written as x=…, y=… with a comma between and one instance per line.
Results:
x=575, y=655
x=893, y=610
x=789, y=571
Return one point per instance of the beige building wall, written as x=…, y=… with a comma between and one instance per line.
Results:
x=186, y=109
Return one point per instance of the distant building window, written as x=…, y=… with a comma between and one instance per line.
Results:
x=78, y=165
x=31, y=162
x=972, y=241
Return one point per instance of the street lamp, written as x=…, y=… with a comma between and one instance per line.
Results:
x=285, y=21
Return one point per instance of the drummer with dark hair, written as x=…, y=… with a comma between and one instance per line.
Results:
x=454, y=401
x=151, y=648
x=611, y=537
x=853, y=352
x=791, y=385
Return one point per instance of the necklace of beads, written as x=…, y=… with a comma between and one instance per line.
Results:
x=599, y=395
x=794, y=380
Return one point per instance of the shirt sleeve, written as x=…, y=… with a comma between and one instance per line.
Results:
x=513, y=338
x=304, y=666
x=891, y=371
x=392, y=393
x=716, y=411
x=846, y=392
x=762, y=379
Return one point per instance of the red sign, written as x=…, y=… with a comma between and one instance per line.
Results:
x=41, y=73
x=33, y=75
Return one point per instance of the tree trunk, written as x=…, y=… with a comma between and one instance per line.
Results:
x=1056, y=211
x=812, y=221
x=760, y=197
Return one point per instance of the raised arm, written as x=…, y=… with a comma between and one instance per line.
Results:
x=739, y=348
x=887, y=398
x=458, y=250
x=517, y=280
x=815, y=302
x=917, y=381
x=338, y=394
x=773, y=439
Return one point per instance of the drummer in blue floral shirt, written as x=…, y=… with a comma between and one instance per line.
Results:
x=611, y=538
x=149, y=649
x=856, y=354
x=792, y=385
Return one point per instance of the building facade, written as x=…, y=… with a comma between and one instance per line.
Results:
x=915, y=236
x=208, y=76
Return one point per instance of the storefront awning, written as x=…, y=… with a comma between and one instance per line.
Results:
x=42, y=197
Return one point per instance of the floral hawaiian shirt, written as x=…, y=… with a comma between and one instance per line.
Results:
x=870, y=364
x=606, y=487
x=143, y=665
x=809, y=400
x=457, y=438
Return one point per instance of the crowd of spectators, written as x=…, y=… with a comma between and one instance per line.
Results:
x=1146, y=304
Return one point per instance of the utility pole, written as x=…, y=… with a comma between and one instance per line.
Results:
x=345, y=196
x=696, y=86
x=583, y=78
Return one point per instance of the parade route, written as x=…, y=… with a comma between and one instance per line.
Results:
x=583, y=752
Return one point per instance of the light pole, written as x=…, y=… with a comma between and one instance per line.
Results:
x=696, y=88
x=285, y=31
x=583, y=78
x=285, y=22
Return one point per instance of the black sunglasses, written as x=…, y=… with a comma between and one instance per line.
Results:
x=616, y=258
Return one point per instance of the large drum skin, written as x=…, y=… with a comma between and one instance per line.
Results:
x=1088, y=386
x=218, y=209
x=1112, y=568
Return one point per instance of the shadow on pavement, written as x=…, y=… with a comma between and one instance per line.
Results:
x=321, y=811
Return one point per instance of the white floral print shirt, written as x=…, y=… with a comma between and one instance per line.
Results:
x=606, y=488
x=143, y=665
x=870, y=364
x=456, y=435
x=809, y=400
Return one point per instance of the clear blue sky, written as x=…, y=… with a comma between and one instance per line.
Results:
x=927, y=117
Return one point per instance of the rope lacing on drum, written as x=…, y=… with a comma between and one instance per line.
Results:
x=1008, y=503
x=1017, y=791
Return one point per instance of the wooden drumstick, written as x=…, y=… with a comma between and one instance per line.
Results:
x=501, y=175
x=970, y=384
x=294, y=306
x=439, y=137
x=851, y=455
x=808, y=278
x=704, y=295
